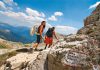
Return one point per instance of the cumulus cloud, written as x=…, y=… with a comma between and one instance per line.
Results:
x=9, y=8
x=31, y=12
x=66, y=30
x=2, y=5
x=58, y=13
x=13, y=14
x=34, y=13
x=94, y=5
x=54, y=16
x=20, y=18
x=10, y=2
x=42, y=14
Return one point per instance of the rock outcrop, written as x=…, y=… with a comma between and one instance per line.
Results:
x=79, y=52
x=40, y=63
x=92, y=25
x=94, y=17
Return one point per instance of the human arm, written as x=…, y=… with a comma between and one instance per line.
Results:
x=55, y=35
x=41, y=31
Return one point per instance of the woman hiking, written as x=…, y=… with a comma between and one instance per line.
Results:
x=49, y=37
x=39, y=34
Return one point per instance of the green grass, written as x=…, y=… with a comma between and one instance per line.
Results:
x=3, y=46
x=27, y=45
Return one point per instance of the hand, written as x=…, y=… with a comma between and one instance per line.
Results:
x=57, y=39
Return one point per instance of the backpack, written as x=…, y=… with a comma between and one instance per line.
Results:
x=33, y=30
x=49, y=33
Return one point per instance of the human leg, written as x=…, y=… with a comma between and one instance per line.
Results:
x=46, y=46
x=49, y=45
x=37, y=42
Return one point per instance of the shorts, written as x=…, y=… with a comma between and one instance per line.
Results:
x=38, y=39
x=48, y=40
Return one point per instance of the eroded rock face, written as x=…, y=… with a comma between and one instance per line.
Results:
x=40, y=63
x=92, y=25
x=94, y=17
x=79, y=52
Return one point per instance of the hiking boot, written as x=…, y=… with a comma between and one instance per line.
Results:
x=31, y=50
x=44, y=48
x=35, y=49
x=40, y=50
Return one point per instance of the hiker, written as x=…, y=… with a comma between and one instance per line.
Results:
x=49, y=37
x=39, y=34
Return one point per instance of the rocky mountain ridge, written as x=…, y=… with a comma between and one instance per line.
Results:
x=92, y=25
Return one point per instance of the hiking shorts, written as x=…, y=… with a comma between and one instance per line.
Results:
x=48, y=40
x=38, y=39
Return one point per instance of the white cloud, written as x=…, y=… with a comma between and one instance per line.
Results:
x=20, y=18
x=42, y=14
x=32, y=12
x=14, y=14
x=10, y=2
x=94, y=5
x=58, y=13
x=2, y=5
x=9, y=8
x=66, y=30
x=52, y=18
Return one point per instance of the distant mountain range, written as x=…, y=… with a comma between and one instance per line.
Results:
x=15, y=34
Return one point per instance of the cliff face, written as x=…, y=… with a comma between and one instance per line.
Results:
x=92, y=24
x=94, y=17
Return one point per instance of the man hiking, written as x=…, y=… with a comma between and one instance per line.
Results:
x=49, y=37
x=39, y=34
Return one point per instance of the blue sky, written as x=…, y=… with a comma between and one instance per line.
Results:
x=65, y=13
x=75, y=11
